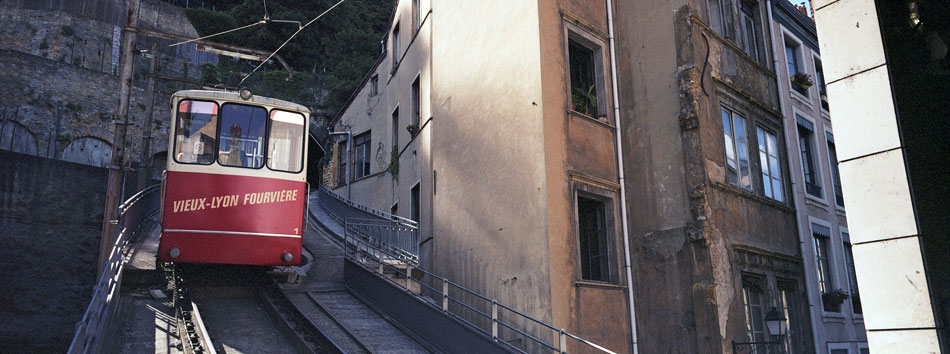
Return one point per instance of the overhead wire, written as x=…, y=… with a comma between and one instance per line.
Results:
x=220, y=33
x=265, y=20
x=288, y=40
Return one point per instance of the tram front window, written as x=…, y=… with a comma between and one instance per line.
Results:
x=285, y=141
x=241, y=139
x=195, y=132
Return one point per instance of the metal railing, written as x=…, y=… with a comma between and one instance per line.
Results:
x=398, y=239
x=341, y=209
x=513, y=329
x=91, y=331
x=385, y=241
x=398, y=235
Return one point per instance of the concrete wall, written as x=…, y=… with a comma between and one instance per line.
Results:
x=886, y=86
x=488, y=152
x=50, y=223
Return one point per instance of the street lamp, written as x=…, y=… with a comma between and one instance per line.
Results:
x=776, y=324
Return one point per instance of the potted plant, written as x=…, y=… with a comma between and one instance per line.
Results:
x=802, y=80
x=831, y=301
x=413, y=129
x=584, y=101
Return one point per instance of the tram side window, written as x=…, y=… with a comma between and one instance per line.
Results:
x=241, y=140
x=285, y=141
x=195, y=132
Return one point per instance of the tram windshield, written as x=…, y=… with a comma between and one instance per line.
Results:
x=195, y=132
x=241, y=140
x=285, y=141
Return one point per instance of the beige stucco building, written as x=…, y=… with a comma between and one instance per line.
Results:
x=499, y=166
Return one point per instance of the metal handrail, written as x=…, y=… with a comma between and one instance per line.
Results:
x=324, y=192
x=357, y=248
x=100, y=315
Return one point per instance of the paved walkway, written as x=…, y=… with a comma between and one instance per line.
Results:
x=323, y=296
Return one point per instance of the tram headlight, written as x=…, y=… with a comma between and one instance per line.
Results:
x=288, y=257
x=245, y=93
x=174, y=252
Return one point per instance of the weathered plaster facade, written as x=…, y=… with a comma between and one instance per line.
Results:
x=698, y=239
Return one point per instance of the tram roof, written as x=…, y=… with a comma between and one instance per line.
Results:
x=234, y=96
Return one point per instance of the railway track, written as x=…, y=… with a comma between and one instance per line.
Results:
x=239, y=309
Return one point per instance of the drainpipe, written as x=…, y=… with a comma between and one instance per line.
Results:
x=788, y=140
x=620, y=176
x=349, y=141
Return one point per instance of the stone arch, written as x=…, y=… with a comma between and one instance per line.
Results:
x=18, y=138
x=89, y=150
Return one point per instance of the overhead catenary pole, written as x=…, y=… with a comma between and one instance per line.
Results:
x=120, y=121
x=146, y=171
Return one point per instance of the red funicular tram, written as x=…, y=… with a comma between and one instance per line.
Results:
x=235, y=189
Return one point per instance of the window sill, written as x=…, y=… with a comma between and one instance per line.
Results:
x=835, y=317
x=815, y=201
x=751, y=195
x=598, y=285
x=800, y=97
x=605, y=122
x=840, y=211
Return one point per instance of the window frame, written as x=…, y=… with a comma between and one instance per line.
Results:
x=804, y=122
x=394, y=122
x=374, y=85
x=820, y=83
x=343, y=162
x=767, y=165
x=415, y=202
x=214, y=155
x=788, y=288
x=303, y=142
x=836, y=189
x=597, y=45
x=416, y=16
x=753, y=42
x=733, y=115
x=394, y=46
x=607, y=195
x=791, y=42
x=838, y=346
x=264, y=138
x=415, y=101
x=826, y=270
x=717, y=24
x=847, y=249
x=357, y=160
x=748, y=283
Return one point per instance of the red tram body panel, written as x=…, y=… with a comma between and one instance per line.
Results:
x=215, y=218
x=235, y=187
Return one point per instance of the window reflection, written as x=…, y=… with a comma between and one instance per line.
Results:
x=285, y=141
x=241, y=141
x=196, y=131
